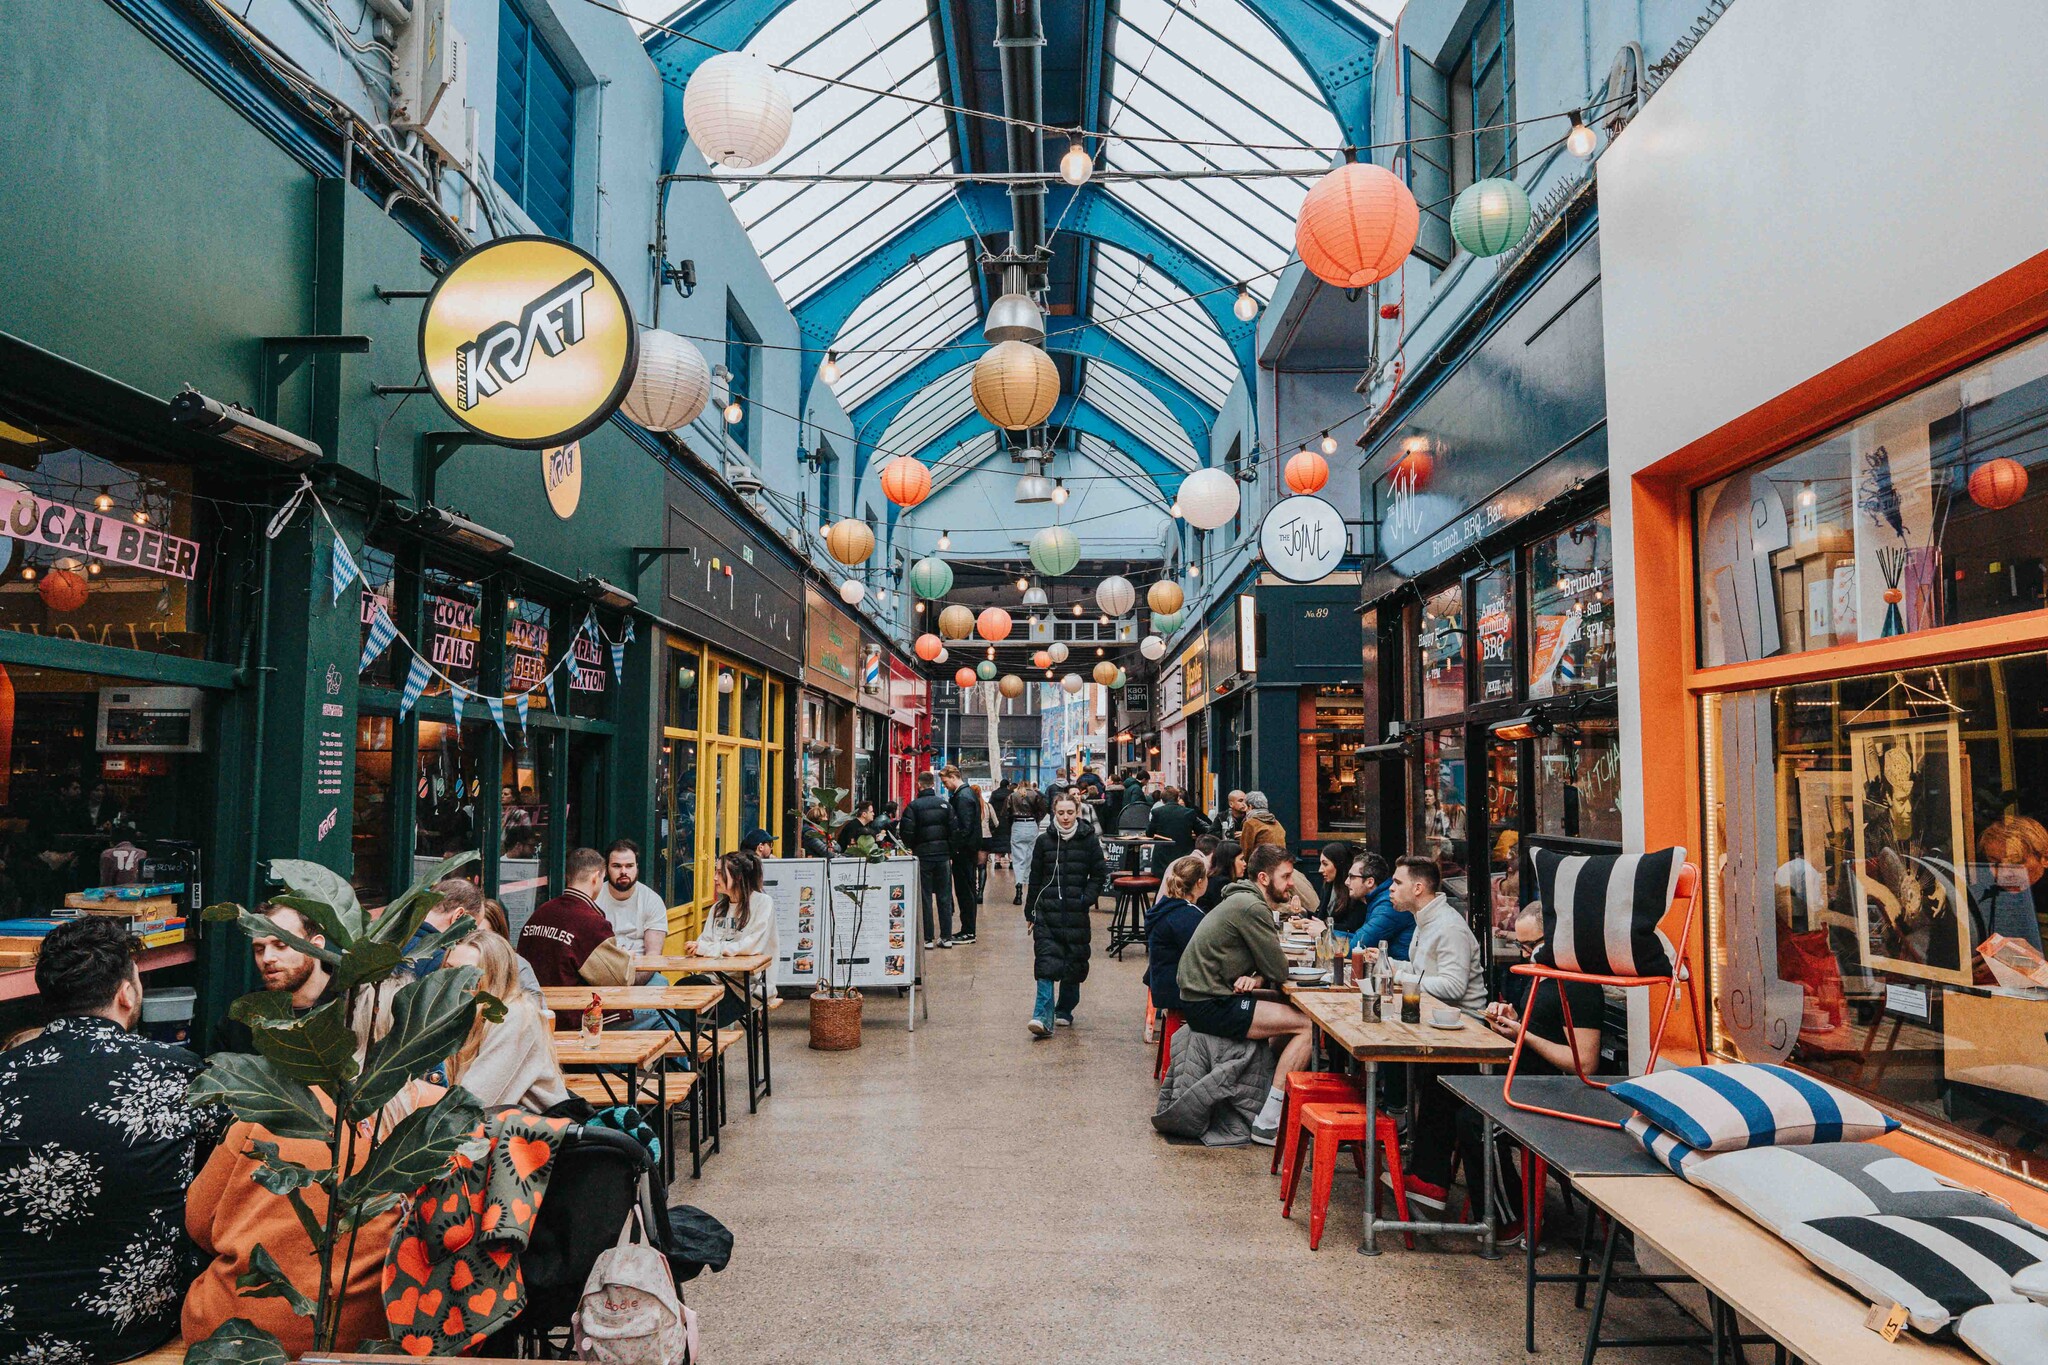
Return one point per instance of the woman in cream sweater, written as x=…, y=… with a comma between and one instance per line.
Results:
x=742, y=923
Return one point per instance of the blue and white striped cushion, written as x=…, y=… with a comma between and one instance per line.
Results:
x=1663, y=1148
x=1728, y=1108
x=1600, y=913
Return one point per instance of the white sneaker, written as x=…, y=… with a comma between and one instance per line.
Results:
x=1038, y=1028
x=1265, y=1137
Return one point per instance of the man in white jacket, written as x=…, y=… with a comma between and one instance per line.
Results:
x=1444, y=957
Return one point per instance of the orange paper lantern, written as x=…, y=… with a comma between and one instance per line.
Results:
x=1041, y=659
x=1307, y=472
x=928, y=647
x=905, y=481
x=1105, y=673
x=1412, y=470
x=1998, y=484
x=993, y=624
x=964, y=677
x=1165, y=596
x=63, y=589
x=1356, y=226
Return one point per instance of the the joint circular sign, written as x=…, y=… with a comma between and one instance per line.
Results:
x=528, y=341
x=1302, y=539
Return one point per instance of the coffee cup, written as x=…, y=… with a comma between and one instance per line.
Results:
x=1444, y=1017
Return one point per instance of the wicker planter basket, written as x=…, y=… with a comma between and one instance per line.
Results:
x=835, y=1022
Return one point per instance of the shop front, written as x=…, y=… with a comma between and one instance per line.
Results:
x=1172, y=760
x=830, y=700
x=1204, y=793
x=910, y=730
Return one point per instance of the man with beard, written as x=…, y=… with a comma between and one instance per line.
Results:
x=285, y=968
x=636, y=912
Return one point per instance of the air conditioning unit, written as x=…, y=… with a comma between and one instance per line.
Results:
x=431, y=75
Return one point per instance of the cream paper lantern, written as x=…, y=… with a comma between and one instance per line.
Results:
x=1105, y=672
x=1011, y=686
x=1208, y=498
x=1115, y=595
x=1165, y=597
x=852, y=591
x=1153, y=648
x=1071, y=684
x=671, y=384
x=737, y=110
x=1015, y=385
x=1057, y=651
x=943, y=655
x=850, y=541
x=956, y=622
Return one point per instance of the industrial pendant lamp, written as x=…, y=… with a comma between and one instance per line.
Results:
x=1033, y=486
x=1014, y=317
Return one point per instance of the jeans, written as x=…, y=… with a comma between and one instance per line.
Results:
x=935, y=882
x=648, y=1019
x=1056, y=998
x=967, y=888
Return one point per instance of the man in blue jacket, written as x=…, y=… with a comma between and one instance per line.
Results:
x=1384, y=921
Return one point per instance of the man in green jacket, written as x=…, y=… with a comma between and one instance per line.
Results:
x=1235, y=950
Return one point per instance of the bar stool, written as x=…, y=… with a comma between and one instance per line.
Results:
x=1329, y=1127
x=1134, y=893
x=1169, y=1024
x=1305, y=1087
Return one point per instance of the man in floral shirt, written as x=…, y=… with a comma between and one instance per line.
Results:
x=97, y=1146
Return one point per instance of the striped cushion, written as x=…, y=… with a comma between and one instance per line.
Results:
x=2033, y=1283
x=1937, y=1268
x=1783, y=1186
x=1600, y=914
x=2006, y=1333
x=1663, y=1148
x=1727, y=1108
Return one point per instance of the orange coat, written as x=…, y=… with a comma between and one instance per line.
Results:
x=1261, y=827
x=227, y=1213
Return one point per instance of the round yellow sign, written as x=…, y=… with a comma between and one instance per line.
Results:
x=561, y=469
x=528, y=341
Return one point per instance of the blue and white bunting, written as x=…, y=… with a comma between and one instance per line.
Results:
x=415, y=683
x=521, y=702
x=629, y=630
x=342, y=571
x=382, y=633
x=619, y=662
x=455, y=699
x=547, y=680
x=497, y=709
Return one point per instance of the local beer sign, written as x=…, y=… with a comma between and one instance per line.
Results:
x=113, y=540
x=528, y=341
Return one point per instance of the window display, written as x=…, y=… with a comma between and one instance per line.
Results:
x=1578, y=781
x=1330, y=744
x=1443, y=799
x=529, y=645
x=379, y=592
x=371, y=838
x=1921, y=514
x=1494, y=603
x=1443, y=652
x=450, y=606
x=1571, y=610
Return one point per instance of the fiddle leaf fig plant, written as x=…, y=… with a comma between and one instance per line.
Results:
x=311, y=1079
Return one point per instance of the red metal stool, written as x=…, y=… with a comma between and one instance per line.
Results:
x=1127, y=922
x=1169, y=1024
x=1305, y=1087
x=1328, y=1127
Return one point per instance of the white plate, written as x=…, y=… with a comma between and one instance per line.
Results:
x=1307, y=974
x=1458, y=1022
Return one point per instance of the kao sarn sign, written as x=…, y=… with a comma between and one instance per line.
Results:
x=110, y=539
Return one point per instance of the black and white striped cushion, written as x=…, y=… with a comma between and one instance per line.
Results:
x=1937, y=1268
x=1600, y=913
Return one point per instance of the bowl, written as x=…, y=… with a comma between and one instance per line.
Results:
x=1307, y=974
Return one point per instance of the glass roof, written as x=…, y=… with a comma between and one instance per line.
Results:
x=1116, y=463
x=926, y=304
x=1117, y=395
x=1158, y=319
x=962, y=459
x=929, y=415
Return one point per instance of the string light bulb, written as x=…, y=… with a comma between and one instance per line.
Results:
x=1022, y=584
x=1194, y=571
x=1059, y=491
x=104, y=502
x=829, y=371
x=1806, y=495
x=1175, y=509
x=945, y=540
x=141, y=517
x=1077, y=608
x=1329, y=444
x=1076, y=167
x=1246, y=307
x=733, y=413
x=1581, y=141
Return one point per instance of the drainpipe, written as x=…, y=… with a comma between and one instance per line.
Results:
x=1020, y=41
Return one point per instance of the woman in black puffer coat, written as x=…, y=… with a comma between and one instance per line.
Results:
x=1067, y=875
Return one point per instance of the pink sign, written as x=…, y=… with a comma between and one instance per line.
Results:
x=115, y=540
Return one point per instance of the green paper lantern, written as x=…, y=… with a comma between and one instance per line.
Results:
x=1167, y=622
x=931, y=578
x=1490, y=216
x=1120, y=681
x=986, y=670
x=1055, y=550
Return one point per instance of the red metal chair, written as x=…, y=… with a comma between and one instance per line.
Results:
x=1328, y=1127
x=1684, y=907
x=1169, y=1023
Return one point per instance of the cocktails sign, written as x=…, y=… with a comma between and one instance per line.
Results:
x=113, y=540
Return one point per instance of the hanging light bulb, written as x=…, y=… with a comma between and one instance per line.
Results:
x=1077, y=608
x=991, y=651
x=1329, y=444
x=1059, y=491
x=1023, y=584
x=1100, y=651
x=104, y=502
x=1101, y=620
x=1077, y=166
x=733, y=412
x=1581, y=140
x=1806, y=494
x=1247, y=307
x=829, y=371
x=945, y=540
x=920, y=608
x=1175, y=509
x=141, y=517
x=1194, y=571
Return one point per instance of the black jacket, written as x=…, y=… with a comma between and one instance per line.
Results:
x=966, y=819
x=927, y=826
x=1172, y=820
x=1168, y=927
x=1066, y=877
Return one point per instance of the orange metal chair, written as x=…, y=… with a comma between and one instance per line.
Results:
x=1329, y=1127
x=1169, y=1022
x=1685, y=895
x=1305, y=1087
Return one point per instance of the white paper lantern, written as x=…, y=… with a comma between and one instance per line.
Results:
x=1115, y=595
x=1058, y=650
x=1208, y=498
x=1153, y=648
x=851, y=592
x=671, y=384
x=736, y=110
x=1071, y=684
x=943, y=655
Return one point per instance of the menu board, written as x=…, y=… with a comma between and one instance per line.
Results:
x=877, y=937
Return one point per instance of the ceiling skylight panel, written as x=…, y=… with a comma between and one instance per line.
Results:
x=925, y=305
x=1133, y=406
x=1157, y=318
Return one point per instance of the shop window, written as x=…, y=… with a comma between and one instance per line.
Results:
x=1571, y=610
x=1443, y=652
x=371, y=838
x=1875, y=893
x=529, y=650
x=1578, y=781
x=728, y=684
x=593, y=680
x=452, y=605
x=679, y=818
x=750, y=791
x=119, y=550
x=740, y=341
x=751, y=690
x=684, y=667
x=1332, y=743
x=536, y=143
x=1443, y=803
x=1921, y=514
x=1503, y=842
x=379, y=592
x=450, y=790
x=1493, y=603
x=526, y=786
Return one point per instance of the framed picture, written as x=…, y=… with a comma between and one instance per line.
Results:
x=1827, y=820
x=1910, y=828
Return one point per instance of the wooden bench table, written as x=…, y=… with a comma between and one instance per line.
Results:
x=681, y=1009
x=739, y=975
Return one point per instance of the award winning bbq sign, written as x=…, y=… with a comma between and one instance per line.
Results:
x=112, y=540
x=528, y=341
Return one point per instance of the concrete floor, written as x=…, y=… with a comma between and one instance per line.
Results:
x=963, y=1193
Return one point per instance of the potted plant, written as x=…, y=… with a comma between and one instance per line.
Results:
x=835, y=1003
x=308, y=1080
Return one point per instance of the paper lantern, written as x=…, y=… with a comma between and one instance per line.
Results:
x=944, y=654
x=852, y=591
x=1165, y=596
x=956, y=622
x=1011, y=686
x=1055, y=550
x=993, y=624
x=1208, y=498
x=931, y=577
x=64, y=587
x=1306, y=472
x=905, y=481
x=964, y=677
x=1417, y=463
x=1356, y=226
x=1118, y=685
x=986, y=670
x=1166, y=622
x=1071, y=684
x=1998, y=484
x=1041, y=659
x=1490, y=216
x=1057, y=651
x=928, y=647
x=1115, y=595
x=1015, y=385
x=736, y=110
x=1105, y=672
x=1153, y=648
x=671, y=384
x=850, y=541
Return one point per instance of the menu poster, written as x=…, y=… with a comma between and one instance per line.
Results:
x=877, y=939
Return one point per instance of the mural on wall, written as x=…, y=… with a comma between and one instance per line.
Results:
x=1759, y=1012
